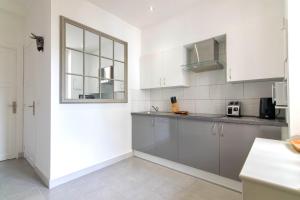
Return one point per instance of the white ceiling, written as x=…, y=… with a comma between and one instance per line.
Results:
x=137, y=12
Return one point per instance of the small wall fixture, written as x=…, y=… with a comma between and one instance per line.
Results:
x=39, y=41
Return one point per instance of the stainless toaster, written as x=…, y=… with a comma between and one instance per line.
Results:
x=233, y=109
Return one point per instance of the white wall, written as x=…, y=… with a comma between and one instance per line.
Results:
x=38, y=22
x=294, y=66
x=11, y=35
x=205, y=20
x=83, y=135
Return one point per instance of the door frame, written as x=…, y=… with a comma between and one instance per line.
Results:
x=18, y=143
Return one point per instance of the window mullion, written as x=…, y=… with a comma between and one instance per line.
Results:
x=83, y=63
x=100, y=66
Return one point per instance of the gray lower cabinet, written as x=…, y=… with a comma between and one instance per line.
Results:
x=166, y=138
x=143, y=134
x=219, y=148
x=235, y=143
x=199, y=145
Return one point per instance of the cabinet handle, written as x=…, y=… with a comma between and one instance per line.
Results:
x=285, y=69
x=213, y=129
x=222, y=134
x=273, y=94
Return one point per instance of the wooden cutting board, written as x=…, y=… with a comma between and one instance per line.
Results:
x=296, y=144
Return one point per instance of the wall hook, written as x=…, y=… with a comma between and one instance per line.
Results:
x=39, y=41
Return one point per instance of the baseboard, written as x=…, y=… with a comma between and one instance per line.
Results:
x=20, y=155
x=42, y=177
x=213, y=178
x=75, y=175
x=39, y=173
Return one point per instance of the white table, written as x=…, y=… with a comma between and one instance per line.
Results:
x=271, y=171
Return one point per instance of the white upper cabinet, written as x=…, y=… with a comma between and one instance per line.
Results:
x=163, y=69
x=255, y=50
x=150, y=71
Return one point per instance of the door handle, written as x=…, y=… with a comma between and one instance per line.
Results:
x=33, y=107
x=14, y=107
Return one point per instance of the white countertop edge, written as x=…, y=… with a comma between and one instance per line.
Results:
x=268, y=183
x=263, y=181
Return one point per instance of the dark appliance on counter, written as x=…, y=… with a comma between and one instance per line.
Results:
x=266, y=108
x=233, y=109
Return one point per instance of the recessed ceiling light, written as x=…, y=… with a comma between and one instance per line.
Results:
x=151, y=8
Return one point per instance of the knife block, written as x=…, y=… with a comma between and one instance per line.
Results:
x=175, y=107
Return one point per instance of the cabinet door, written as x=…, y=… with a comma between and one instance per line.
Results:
x=143, y=134
x=199, y=145
x=255, y=50
x=236, y=141
x=151, y=71
x=166, y=138
x=173, y=74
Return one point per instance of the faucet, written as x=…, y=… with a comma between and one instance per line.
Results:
x=156, y=108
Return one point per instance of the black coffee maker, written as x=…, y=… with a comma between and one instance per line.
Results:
x=266, y=108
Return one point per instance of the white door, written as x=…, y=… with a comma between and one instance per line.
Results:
x=29, y=102
x=8, y=91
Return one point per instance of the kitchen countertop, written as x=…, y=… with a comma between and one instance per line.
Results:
x=274, y=163
x=218, y=118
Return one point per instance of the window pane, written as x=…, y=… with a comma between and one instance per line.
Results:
x=107, y=69
x=74, y=62
x=119, y=71
x=74, y=37
x=107, y=89
x=106, y=47
x=106, y=63
x=73, y=87
x=119, y=51
x=91, y=86
x=119, y=86
x=119, y=95
x=91, y=43
x=91, y=65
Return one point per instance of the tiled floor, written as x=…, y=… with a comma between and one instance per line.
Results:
x=131, y=179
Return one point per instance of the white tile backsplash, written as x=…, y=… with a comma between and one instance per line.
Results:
x=191, y=93
x=187, y=105
x=234, y=91
x=211, y=77
x=217, y=91
x=169, y=92
x=212, y=98
x=258, y=89
x=210, y=106
x=155, y=94
x=203, y=91
x=164, y=106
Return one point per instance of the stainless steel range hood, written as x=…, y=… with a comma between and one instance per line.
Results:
x=203, y=56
